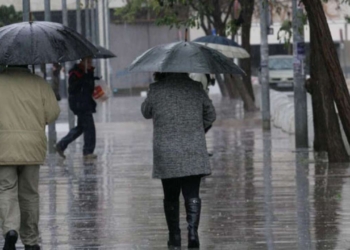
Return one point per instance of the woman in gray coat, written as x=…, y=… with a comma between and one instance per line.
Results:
x=181, y=111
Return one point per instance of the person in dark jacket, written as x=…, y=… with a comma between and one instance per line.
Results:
x=181, y=111
x=80, y=91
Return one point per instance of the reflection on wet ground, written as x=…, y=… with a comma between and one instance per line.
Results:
x=262, y=194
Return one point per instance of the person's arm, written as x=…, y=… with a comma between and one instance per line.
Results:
x=89, y=78
x=51, y=108
x=146, y=108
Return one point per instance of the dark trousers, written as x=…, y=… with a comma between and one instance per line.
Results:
x=86, y=126
x=188, y=185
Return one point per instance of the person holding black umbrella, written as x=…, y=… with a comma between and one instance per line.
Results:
x=27, y=105
x=181, y=111
x=80, y=90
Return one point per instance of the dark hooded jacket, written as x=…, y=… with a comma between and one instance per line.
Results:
x=80, y=90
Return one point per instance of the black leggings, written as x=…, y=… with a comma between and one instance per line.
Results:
x=189, y=186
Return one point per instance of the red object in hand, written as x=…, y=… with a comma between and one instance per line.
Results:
x=98, y=92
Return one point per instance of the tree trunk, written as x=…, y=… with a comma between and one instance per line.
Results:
x=328, y=52
x=249, y=104
x=246, y=64
x=231, y=87
x=222, y=85
x=315, y=89
x=328, y=136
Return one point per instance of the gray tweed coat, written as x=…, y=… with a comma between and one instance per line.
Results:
x=180, y=110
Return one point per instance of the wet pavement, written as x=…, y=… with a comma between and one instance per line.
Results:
x=261, y=195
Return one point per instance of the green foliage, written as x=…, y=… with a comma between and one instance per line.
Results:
x=129, y=12
x=287, y=30
x=176, y=13
x=165, y=13
x=207, y=14
x=232, y=27
x=9, y=15
x=170, y=17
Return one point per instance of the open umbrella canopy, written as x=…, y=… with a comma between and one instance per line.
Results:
x=41, y=42
x=103, y=53
x=226, y=46
x=183, y=57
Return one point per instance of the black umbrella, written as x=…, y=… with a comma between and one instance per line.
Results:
x=41, y=42
x=184, y=57
x=103, y=53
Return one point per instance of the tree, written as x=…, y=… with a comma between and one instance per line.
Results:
x=327, y=86
x=328, y=137
x=9, y=15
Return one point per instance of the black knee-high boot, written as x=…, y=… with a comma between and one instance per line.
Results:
x=172, y=215
x=193, y=211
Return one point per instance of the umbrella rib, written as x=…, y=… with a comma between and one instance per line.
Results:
x=7, y=30
x=12, y=44
x=60, y=28
x=56, y=29
x=46, y=33
x=171, y=54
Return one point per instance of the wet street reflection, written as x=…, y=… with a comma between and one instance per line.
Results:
x=303, y=204
x=268, y=192
x=262, y=193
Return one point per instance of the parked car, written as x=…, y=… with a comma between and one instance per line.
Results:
x=281, y=72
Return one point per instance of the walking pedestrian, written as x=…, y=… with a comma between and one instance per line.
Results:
x=181, y=111
x=80, y=91
x=27, y=105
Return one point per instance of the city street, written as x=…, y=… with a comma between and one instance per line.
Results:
x=261, y=195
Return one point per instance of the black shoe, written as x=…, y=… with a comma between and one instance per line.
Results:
x=60, y=151
x=193, y=211
x=36, y=247
x=10, y=240
x=172, y=215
